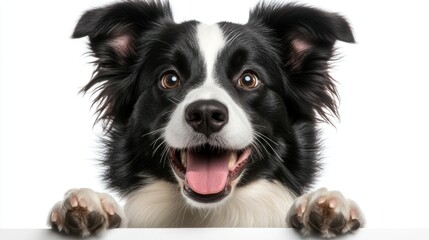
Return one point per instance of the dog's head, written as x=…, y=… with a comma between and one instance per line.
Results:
x=211, y=107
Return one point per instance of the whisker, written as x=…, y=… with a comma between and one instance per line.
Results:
x=156, y=141
x=261, y=148
x=265, y=139
x=164, y=156
x=174, y=100
x=156, y=149
x=153, y=132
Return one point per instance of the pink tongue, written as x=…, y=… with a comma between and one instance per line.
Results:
x=207, y=173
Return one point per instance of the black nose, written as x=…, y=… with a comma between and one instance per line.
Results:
x=206, y=116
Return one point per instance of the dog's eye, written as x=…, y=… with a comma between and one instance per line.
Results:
x=248, y=80
x=170, y=80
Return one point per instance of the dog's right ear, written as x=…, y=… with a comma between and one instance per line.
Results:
x=114, y=32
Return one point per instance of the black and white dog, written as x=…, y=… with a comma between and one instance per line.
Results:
x=211, y=125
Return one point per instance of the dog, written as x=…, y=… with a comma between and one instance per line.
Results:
x=211, y=125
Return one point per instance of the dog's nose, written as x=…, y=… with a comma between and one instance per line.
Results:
x=206, y=116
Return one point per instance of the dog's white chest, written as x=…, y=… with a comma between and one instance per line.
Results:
x=259, y=204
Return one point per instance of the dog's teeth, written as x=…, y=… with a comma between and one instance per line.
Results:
x=183, y=158
x=231, y=161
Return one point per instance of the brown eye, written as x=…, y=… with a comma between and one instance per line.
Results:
x=170, y=80
x=248, y=80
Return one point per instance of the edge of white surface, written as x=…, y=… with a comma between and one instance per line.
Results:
x=216, y=234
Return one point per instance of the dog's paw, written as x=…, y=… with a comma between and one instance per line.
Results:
x=326, y=213
x=84, y=212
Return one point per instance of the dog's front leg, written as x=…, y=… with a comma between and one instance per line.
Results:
x=85, y=212
x=326, y=213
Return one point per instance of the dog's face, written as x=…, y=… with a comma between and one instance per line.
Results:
x=211, y=107
x=213, y=127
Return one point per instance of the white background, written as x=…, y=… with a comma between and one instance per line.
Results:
x=377, y=154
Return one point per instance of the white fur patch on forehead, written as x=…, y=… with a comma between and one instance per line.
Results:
x=211, y=41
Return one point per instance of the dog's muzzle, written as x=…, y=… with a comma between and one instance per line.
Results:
x=208, y=169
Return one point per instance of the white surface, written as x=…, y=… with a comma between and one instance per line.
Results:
x=377, y=155
x=218, y=233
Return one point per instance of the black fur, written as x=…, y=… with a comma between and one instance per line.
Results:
x=296, y=90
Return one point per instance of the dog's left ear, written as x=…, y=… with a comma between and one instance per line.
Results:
x=306, y=37
x=302, y=29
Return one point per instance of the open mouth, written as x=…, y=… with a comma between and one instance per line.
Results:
x=208, y=171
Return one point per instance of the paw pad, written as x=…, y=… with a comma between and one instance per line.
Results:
x=84, y=212
x=326, y=213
